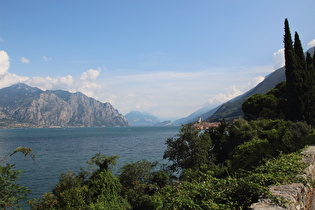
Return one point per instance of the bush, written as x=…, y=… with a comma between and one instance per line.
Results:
x=97, y=190
x=250, y=154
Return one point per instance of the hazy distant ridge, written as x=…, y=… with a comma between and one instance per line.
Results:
x=233, y=108
x=136, y=118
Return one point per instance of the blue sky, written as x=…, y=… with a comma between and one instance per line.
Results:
x=165, y=57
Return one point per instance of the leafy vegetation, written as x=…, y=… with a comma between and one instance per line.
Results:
x=295, y=99
x=86, y=190
x=228, y=167
x=11, y=192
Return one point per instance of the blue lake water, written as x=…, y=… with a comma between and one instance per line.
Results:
x=58, y=150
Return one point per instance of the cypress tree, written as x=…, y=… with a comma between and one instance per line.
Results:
x=293, y=107
x=302, y=82
x=288, y=50
x=299, y=53
x=310, y=63
x=309, y=99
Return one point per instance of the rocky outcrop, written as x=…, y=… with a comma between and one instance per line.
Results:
x=24, y=106
x=297, y=196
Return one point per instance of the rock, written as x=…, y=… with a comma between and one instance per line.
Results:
x=25, y=106
x=297, y=195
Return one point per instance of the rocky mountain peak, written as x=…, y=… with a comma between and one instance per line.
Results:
x=25, y=106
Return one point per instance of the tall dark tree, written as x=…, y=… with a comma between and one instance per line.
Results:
x=300, y=86
x=309, y=63
x=303, y=81
x=309, y=95
x=299, y=53
x=293, y=110
x=288, y=50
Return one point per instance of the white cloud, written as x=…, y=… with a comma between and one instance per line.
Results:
x=91, y=74
x=311, y=43
x=86, y=84
x=234, y=92
x=1, y=39
x=6, y=78
x=10, y=79
x=174, y=94
x=46, y=58
x=167, y=94
x=47, y=83
x=68, y=82
x=224, y=97
x=4, y=62
x=278, y=58
x=24, y=60
x=255, y=82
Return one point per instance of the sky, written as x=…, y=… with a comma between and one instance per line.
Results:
x=168, y=58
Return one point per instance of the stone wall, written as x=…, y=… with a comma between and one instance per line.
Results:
x=299, y=197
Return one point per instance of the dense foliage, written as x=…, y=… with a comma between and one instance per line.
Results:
x=295, y=99
x=221, y=168
x=11, y=192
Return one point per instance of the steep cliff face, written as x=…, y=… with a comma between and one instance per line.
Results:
x=89, y=112
x=24, y=106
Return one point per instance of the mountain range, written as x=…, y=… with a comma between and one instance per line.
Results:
x=25, y=106
x=136, y=118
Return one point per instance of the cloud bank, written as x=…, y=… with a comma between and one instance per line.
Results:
x=166, y=94
x=85, y=84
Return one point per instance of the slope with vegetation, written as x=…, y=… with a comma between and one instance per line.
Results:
x=233, y=109
x=226, y=167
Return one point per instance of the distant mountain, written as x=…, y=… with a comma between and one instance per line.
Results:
x=25, y=106
x=233, y=108
x=164, y=123
x=204, y=113
x=136, y=118
x=311, y=51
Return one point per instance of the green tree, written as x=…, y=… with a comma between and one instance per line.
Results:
x=299, y=53
x=300, y=80
x=11, y=192
x=293, y=108
x=137, y=179
x=219, y=138
x=268, y=106
x=249, y=154
x=189, y=150
x=99, y=189
x=309, y=91
x=309, y=64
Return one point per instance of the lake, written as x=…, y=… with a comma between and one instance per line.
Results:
x=58, y=150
